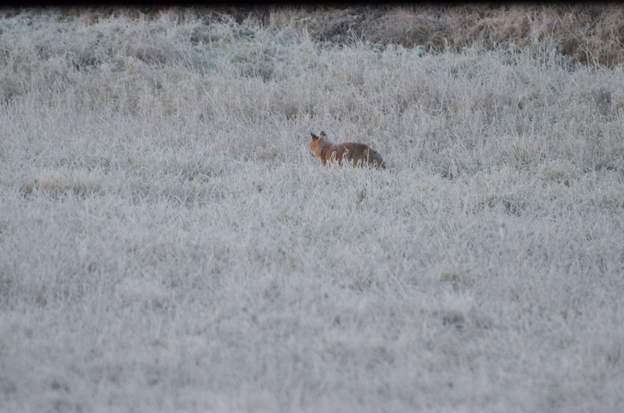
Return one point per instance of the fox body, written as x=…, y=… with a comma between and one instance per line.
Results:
x=359, y=153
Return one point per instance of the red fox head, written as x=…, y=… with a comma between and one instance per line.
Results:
x=317, y=142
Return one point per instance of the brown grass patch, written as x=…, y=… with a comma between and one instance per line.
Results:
x=587, y=33
x=59, y=183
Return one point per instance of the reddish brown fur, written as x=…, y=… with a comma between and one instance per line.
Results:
x=359, y=153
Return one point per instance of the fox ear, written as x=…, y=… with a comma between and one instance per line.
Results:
x=314, y=136
x=323, y=134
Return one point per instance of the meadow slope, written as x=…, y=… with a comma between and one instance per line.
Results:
x=167, y=242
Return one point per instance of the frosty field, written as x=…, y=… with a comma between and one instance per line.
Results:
x=168, y=243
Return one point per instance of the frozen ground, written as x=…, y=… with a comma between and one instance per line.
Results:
x=167, y=243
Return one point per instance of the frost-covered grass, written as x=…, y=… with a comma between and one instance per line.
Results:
x=167, y=243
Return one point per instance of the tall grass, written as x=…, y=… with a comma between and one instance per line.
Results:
x=167, y=243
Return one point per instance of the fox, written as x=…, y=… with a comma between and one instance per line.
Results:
x=361, y=154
